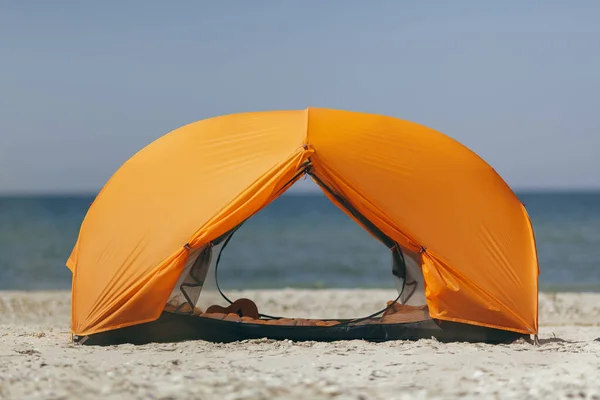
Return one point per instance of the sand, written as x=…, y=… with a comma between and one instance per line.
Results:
x=37, y=361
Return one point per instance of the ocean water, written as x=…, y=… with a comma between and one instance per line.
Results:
x=297, y=241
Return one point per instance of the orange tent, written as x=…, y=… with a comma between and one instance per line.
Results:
x=426, y=192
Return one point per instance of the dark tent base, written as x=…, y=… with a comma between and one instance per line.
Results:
x=172, y=327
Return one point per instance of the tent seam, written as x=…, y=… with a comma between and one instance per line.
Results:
x=307, y=126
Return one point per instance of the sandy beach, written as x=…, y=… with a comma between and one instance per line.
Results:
x=37, y=361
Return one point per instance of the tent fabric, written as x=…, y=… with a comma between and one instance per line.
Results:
x=424, y=190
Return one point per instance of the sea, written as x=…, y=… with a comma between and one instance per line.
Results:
x=300, y=240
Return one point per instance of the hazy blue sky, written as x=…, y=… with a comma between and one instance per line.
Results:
x=83, y=85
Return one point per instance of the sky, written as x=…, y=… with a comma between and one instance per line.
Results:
x=84, y=85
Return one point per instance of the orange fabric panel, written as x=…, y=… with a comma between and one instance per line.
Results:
x=127, y=251
x=385, y=224
x=331, y=184
x=439, y=194
x=271, y=185
x=457, y=299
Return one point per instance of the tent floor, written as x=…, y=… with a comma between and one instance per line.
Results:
x=171, y=327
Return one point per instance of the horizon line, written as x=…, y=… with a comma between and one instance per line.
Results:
x=291, y=191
